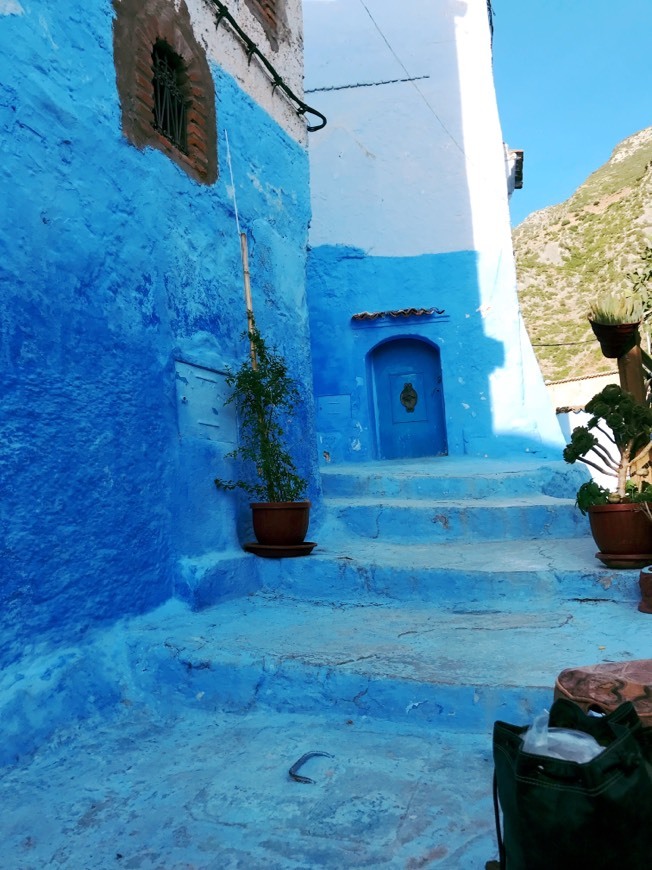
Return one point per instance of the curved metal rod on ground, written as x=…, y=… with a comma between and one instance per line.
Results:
x=297, y=764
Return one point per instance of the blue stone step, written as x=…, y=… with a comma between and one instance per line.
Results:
x=458, y=671
x=386, y=534
x=452, y=478
x=506, y=576
x=488, y=519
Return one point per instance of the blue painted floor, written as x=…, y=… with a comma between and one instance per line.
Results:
x=212, y=791
x=215, y=708
x=393, y=656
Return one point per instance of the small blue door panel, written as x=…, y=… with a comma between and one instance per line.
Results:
x=408, y=399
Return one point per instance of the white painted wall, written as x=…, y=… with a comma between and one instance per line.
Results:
x=576, y=392
x=438, y=157
x=406, y=168
x=225, y=49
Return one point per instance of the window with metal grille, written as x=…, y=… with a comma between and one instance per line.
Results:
x=166, y=89
x=170, y=95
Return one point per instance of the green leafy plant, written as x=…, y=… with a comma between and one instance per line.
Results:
x=589, y=494
x=626, y=425
x=616, y=307
x=631, y=305
x=641, y=280
x=641, y=277
x=265, y=396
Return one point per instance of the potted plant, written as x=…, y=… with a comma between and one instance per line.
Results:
x=641, y=280
x=620, y=519
x=265, y=396
x=614, y=319
x=615, y=316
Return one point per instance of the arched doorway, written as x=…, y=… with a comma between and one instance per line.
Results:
x=408, y=400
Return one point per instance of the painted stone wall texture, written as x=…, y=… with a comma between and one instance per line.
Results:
x=410, y=210
x=115, y=266
x=344, y=282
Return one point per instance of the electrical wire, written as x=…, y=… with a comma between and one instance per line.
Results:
x=235, y=201
x=407, y=73
x=364, y=85
x=564, y=343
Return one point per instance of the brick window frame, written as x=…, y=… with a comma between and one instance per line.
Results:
x=137, y=27
x=267, y=12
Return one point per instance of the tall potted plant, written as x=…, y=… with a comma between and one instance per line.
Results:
x=615, y=316
x=620, y=519
x=265, y=396
x=614, y=319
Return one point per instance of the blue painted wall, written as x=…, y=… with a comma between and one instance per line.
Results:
x=114, y=264
x=344, y=281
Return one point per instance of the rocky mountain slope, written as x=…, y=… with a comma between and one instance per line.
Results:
x=567, y=253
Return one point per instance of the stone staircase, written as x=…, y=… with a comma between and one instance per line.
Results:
x=453, y=532
x=443, y=595
x=478, y=580
x=446, y=500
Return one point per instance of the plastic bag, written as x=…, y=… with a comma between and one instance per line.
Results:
x=564, y=743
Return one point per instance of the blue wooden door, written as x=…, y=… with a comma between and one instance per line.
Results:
x=408, y=399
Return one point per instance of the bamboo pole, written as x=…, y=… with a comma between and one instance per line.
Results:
x=244, y=252
x=244, y=256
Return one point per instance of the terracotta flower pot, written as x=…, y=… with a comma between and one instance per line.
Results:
x=645, y=585
x=616, y=339
x=280, y=523
x=621, y=530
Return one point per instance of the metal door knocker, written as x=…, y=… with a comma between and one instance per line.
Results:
x=409, y=398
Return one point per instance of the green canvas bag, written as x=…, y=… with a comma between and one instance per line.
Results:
x=560, y=814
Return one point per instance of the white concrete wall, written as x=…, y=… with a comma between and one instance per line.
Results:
x=577, y=392
x=412, y=163
x=226, y=50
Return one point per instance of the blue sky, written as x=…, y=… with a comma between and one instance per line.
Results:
x=573, y=78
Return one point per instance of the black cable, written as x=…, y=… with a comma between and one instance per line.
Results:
x=564, y=343
x=252, y=50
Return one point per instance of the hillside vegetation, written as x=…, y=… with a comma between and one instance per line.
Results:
x=568, y=253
